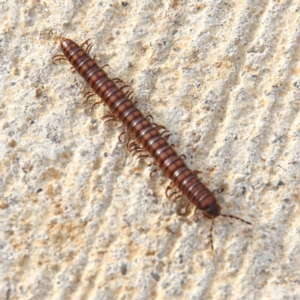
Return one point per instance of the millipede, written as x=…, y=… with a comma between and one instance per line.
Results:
x=145, y=138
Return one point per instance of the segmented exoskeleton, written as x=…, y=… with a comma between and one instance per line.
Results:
x=147, y=134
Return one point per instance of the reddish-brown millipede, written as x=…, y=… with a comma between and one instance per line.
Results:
x=145, y=136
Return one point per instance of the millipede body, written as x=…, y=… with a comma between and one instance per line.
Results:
x=138, y=126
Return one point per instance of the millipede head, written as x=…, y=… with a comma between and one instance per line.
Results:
x=213, y=211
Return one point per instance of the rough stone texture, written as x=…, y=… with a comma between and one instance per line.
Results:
x=80, y=218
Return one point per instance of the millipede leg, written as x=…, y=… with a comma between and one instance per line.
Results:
x=151, y=164
x=158, y=127
x=99, y=102
x=196, y=172
x=88, y=46
x=124, y=87
x=172, y=194
x=165, y=131
x=177, y=197
x=109, y=115
x=134, y=143
x=195, y=211
x=149, y=117
x=186, y=210
x=128, y=94
x=128, y=142
x=84, y=43
x=167, y=136
x=58, y=57
x=110, y=118
x=119, y=137
x=106, y=65
x=87, y=96
x=117, y=80
x=113, y=119
x=138, y=151
x=183, y=156
x=143, y=156
x=169, y=187
x=134, y=146
x=153, y=171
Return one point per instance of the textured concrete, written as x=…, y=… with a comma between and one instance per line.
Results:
x=80, y=218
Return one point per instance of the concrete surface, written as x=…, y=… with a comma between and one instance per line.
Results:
x=81, y=219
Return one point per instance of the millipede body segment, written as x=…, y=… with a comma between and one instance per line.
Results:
x=139, y=127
